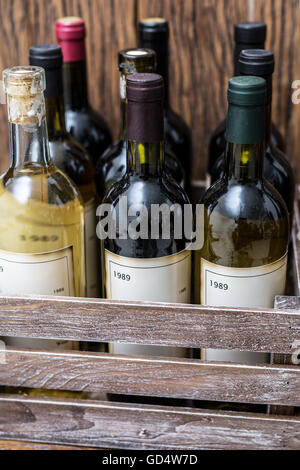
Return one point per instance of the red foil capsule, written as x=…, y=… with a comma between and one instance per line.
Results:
x=70, y=34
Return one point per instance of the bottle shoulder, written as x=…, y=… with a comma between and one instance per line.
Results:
x=71, y=158
x=45, y=184
x=115, y=150
x=173, y=119
x=147, y=191
x=88, y=131
x=255, y=201
x=177, y=137
x=219, y=130
x=277, y=139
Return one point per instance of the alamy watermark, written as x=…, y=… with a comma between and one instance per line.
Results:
x=157, y=222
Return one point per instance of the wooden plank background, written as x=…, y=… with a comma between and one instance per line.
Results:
x=141, y=427
x=149, y=376
x=201, y=55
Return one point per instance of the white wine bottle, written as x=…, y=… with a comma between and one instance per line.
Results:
x=41, y=214
x=246, y=223
x=147, y=269
x=69, y=156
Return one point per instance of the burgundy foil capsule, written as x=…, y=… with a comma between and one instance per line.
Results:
x=70, y=34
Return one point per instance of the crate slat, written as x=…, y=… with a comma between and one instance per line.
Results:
x=286, y=303
x=19, y=445
x=115, y=425
x=148, y=376
x=194, y=326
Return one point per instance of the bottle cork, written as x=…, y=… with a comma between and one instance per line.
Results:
x=25, y=87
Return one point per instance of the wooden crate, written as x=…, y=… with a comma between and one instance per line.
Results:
x=53, y=422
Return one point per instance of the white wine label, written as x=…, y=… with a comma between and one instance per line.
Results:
x=241, y=287
x=91, y=250
x=166, y=279
x=40, y=274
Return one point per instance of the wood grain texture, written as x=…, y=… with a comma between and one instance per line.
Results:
x=101, y=424
x=148, y=376
x=15, y=42
x=15, y=445
x=144, y=323
x=201, y=62
x=201, y=55
x=285, y=303
x=110, y=28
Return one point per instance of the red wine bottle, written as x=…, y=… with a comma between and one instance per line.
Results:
x=86, y=126
x=247, y=35
x=153, y=33
x=111, y=166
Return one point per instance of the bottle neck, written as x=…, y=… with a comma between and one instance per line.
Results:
x=75, y=85
x=29, y=145
x=238, y=49
x=268, y=123
x=161, y=48
x=245, y=136
x=55, y=113
x=244, y=162
x=123, y=108
x=145, y=159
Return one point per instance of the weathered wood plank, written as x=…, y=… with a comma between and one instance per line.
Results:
x=148, y=376
x=285, y=359
x=115, y=425
x=140, y=322
x=19, y=445
x=201, y=62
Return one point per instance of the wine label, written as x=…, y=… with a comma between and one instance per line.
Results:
x=241, y=287
x=91, y=250
x=166, y=279
x=40, y=274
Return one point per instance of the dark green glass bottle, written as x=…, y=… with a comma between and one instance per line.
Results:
x=153, y=33
x=86, y=125
x=247, y=35
x=246, y=224
x=69, y=156
x=111, y=166
x=149, y=268
x=277, y=169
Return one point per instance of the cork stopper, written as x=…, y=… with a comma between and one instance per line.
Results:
x=25, y=87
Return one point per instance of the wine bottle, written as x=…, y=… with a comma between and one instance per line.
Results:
x=153, y=33
x=111, y=166
x=86, y=126
x=246, y=224
x=41, y=214
x=69, y=156
x=247, y=35
x=148, y=269
x=277, y=169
